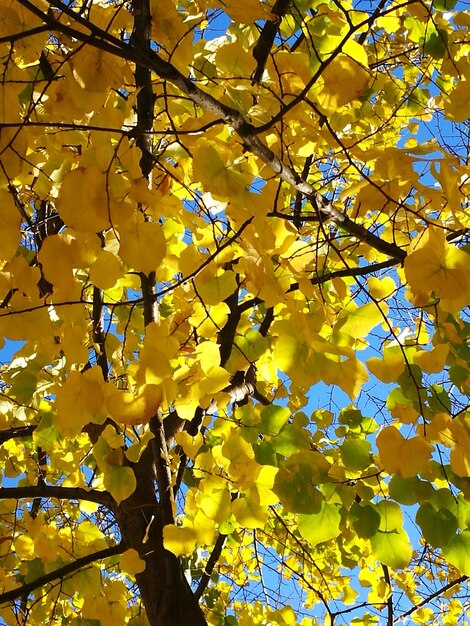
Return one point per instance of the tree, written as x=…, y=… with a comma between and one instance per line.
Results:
x=234, y=287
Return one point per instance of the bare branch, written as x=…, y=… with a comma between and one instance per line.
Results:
x=59, y=493
x=20, y=431
x=266, y=39
x=211, y=563
x=389, y=599
x=62, y=572
x=439, y=592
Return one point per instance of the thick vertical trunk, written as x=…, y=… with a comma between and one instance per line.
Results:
x=164, y=590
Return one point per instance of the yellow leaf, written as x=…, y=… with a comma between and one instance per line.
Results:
x=189, y=444
x=213, y=499
x=432, y=361
x=248, y=514
x=460, y=453
x=112, y=437
x=134, y=408
x=216, y=379
x=438, y=430
x=158, y=348
x=61, y=246
x=10, y=219
x=406, y=457
x=98, y=71
x=119, y=481
x=381, y=288
x=74, y=340
x=390, y=23
x=349, y=374
x=345, y=79
x=137, y=449
x=246, y=11
x=142, y=244
x=80, y=400
x=180, y=540
x=205, y=528
x=83, y=203
x=457, y=106
x=131, y=563
x=216, y=289
x=24, y=547
x=106, y=270
x=261, y=492
x=213, y=167
x=359, y=321
x=389, y=367
x=435, y=265
x=235, y=452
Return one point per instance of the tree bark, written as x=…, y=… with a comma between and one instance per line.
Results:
x=165, y=592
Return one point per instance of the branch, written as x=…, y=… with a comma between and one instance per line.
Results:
x=389, y=600
x=230, y=116
x=298, y=197
x=437, y=593
x=62, y=572
x=59, y=493
x=25, y=33
x=347, y=272
x=227, y=334
x=99, y=338
x=211, y=563
x=143, y=81
x=266, y=39
x=20, y=431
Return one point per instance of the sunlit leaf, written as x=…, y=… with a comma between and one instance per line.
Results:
x=131, y=562
x=142, y=244
x=320, y=527
x=407, y=457
x=438, y=526
x=273, y=419
x=120, y=482
x=457, y=552
x=179, y=539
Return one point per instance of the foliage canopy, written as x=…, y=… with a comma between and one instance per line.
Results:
x=234, y=280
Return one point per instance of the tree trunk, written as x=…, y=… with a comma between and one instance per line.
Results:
x=165, y=592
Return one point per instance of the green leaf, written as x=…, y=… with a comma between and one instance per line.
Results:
x=265, y=454
x=350, y=416
x=35, y=569
x=322, y=526
x=273, y=418
x=435, y=44
x=290, y=440
x=364, y=519
x=392, y=548
x=355, y=454
x=438, y=527
x=252, y=345
x=46, y=434
x=457, y=552
x=295, y=482
x=444, y=5
x=391, y=516
x=120, y=482
x=439, y=399
x=390, y=544
x=409, y=490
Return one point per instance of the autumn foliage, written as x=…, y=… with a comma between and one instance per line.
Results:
x=234, y=289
